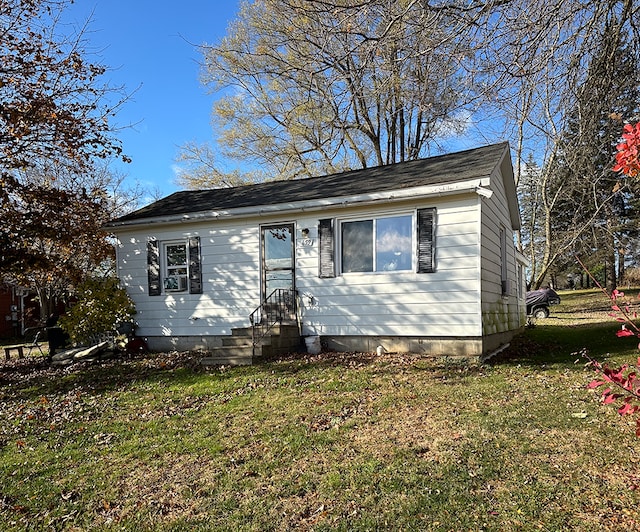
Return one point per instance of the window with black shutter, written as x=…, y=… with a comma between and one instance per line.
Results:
x=426, y=240
x=326, y=261
x=153, y=268
x=174, y=266
x=378, y=244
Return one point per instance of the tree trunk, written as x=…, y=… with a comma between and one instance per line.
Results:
x=47, y=304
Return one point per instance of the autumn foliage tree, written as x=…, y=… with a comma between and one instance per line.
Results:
x=628, y=154
x=55, y=123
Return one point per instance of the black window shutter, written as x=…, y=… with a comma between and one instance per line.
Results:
x=195, y=266
x=426, y=240
x=153, y=268
x=326, y=262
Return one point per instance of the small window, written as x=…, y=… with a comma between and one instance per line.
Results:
x=174, y=266
x=506, y=289
x=376, y=245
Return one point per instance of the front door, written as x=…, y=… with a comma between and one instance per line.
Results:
x=278, y=259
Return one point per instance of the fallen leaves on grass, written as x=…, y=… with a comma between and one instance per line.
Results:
x=37, y=399
x=303, y=443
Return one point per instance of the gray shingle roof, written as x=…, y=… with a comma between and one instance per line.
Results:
x=449, y=168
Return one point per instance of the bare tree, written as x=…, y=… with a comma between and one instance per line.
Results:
x=537, y=57
x=201, y=169
x=310, y=87
x=315, y=86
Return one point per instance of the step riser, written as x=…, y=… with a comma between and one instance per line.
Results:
x=275, y=341
x=229, y=341
x=282, y=330
x=237, y=349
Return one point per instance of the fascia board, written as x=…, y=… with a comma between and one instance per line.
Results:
x=389, y=196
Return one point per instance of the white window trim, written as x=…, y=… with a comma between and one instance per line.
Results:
x=374, y=217
x=164, y=267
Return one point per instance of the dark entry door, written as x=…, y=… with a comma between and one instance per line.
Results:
x=278, y=260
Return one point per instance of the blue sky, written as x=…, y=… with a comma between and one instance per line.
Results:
x=151, y=48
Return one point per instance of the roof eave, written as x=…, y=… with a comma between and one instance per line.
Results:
x=423, y=192
x=508, y=179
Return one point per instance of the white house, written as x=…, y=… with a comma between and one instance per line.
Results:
x=414, y=257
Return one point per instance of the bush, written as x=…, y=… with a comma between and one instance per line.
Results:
x=102, y=305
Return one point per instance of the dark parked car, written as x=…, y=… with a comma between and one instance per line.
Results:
x=538, y=302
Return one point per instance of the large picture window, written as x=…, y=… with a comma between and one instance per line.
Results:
x=377, y=244
x=389, y=243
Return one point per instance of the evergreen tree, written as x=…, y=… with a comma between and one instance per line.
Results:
x=529, y=198
x=592, y=216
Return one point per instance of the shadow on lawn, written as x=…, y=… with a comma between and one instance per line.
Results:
x=561, y=344
x=441, y=369
x=32, y=377
x=551, y=344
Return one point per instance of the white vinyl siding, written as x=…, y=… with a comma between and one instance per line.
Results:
x=230, y=281
x=499, y=274
x=443, y=303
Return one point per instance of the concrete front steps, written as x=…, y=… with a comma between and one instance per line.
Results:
x=237, y=349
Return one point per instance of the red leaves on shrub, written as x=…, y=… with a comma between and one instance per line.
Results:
x=623, y=379
x=616, y=294
x=628, y=150
x=626, y=408
x=623, y=384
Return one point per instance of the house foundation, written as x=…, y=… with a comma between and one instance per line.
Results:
x=472, y=348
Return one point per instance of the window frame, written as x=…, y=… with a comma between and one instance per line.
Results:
x=166, y=269
x=504, y=266
x=157, y=265
x=374, y=219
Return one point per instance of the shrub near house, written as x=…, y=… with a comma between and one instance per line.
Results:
x=102, y=305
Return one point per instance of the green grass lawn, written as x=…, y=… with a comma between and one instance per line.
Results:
x=330, y=442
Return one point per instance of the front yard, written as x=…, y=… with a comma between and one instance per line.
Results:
x=337, y=441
